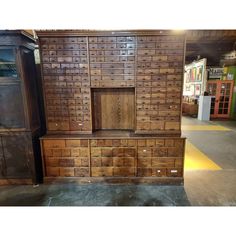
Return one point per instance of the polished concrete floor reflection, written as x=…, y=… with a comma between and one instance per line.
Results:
x=210, y=178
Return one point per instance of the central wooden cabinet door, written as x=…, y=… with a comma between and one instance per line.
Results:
x=113, y=109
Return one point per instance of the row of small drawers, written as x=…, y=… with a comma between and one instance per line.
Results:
x=61, y=143
x=57, y=70
x=148, y=99
x=154, y=65
x=63, y=72
x=69, y=126
x=77, y=53
x=113, y=172
x=105, y=71
x=77, y=78
x=148, y=55
x=112, y=46
x=158, y=125
x=114, y=162
x=111, y=39
x=152, y=99
x=77, y=82
x=127, y=46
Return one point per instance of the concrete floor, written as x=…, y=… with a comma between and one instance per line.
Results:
x=201, y=188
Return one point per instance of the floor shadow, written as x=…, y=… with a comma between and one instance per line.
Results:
x=148, y=195
x=22, y=196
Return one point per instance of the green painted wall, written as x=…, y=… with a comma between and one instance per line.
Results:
x=232, y=70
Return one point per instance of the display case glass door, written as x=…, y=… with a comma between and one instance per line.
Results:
x=7, y=63
x=221, y=92
x=11, y=100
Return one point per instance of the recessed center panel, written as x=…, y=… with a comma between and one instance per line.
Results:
x=113, y=108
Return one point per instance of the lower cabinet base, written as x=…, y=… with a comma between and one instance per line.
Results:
x=114, y=159
x=115, y=180
x=15, y=181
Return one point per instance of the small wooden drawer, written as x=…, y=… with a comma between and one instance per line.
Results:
x=159, y=58
x=102, y=171
x=66, y=162
x=75, y=125
x=106, y=152
x=76, y=143
x=111, y=39
x=52, y=162
x=96, y=161
x=146, y=52
x=123, y=171
x=81, y=39
x=96, y=152
x=141, y=39
x=65, y=152
x=174, y=172
x=71, y=46
x=163, y=162
x=81, y=172
x=172, y=125
x=144, y=162
x=48, y=152
x=159, y=172
x=143, y=125
x=110, y=46
x=93, y=39
x=123, y=161
x=157, y=125
x=179, y=163
x=57, y=153
x=175, y=58
x=144, y=58
x=67, y=171
x=53, y=143
x=160, y=152
x=52, y=171
x=144, y=172
x=169, y=113
x=147, y=45
x=175, y=152
x=121, y=39
x=144, y=78
x=107, y=161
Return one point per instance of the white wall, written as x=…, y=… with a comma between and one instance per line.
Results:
x=193, y=81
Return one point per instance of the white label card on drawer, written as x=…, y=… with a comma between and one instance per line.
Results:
x=174, y=171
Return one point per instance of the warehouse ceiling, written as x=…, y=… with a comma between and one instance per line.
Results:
x=210, y=44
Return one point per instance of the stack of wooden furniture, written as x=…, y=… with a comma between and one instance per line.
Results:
x=20, y=127
x=113, y=105
x=189, y=107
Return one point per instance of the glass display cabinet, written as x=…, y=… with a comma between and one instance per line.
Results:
x=20, y=160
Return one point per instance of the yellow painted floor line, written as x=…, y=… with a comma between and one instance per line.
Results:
x=205, y=127
x=196, y=160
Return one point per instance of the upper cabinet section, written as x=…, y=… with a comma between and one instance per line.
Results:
x=18, y=85
x=74, y=63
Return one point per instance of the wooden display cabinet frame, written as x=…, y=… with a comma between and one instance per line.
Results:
x=24, y=140
x=155, y=67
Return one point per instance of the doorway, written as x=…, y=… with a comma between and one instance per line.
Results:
x=221, y=92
